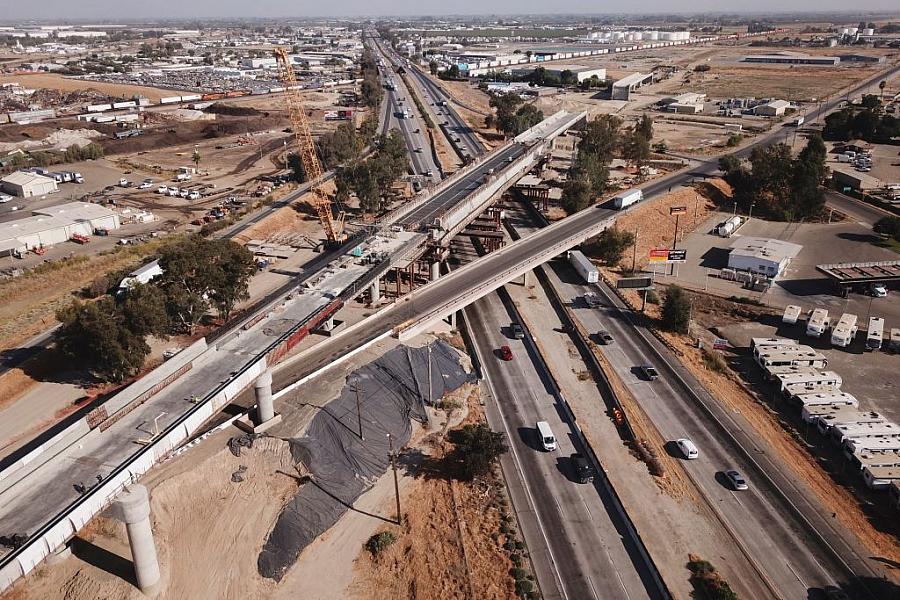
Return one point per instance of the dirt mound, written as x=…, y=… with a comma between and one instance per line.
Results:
x=204, y=517
x=83, y=585
x=230, y=109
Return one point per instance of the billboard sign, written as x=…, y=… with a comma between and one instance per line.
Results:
x=664, y=255
x=678, y=210
x=634, y=282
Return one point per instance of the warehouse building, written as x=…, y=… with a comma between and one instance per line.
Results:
x=862, y=58
x=775, y=108
x=791, y=58
x=690, y=103
x=763, y=256
x=54, y=225
x=28, y=185
x=621, y=90
x=855, y=180
x=580, y=71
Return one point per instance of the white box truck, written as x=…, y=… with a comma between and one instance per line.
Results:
x=845, y=330
x=628, y=198
x=818, y=322
x=585, y=268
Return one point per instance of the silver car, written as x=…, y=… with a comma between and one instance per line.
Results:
x=736, y=480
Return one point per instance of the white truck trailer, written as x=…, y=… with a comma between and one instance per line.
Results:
x=845, y=330
x=799, y=381
x=628, y=198
x=585, y=268
x=818, y=322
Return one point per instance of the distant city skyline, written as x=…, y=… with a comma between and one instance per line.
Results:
x=217, y=9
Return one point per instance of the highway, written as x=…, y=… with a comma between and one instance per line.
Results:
x=857, y=210
x=788, y=540
x=577, y=541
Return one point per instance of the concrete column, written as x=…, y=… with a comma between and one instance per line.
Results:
x=435, y=271
x=265, y=406
x=327, y=324
x=452, y=321
x=528, y=279
x=133, y=507
x=376, y=291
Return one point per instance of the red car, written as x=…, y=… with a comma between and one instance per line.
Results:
x=505, y=353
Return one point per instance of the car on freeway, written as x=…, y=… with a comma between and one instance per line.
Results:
x=687, y=448
x=506, y=353
x=736, y=480
x=605, y=337
x=517, y=331
x=649, y=372
x=583, y=471
x=592, y=300
x=419, y=150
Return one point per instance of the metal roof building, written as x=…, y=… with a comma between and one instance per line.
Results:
x=621, y=89
x=28, y=185
x=764, y=256
x=54, y=225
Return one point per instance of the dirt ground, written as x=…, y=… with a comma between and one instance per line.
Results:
x=66, y=84
x=449, y=547
x=796, y=83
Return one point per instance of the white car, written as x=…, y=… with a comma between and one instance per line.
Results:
x=173, y=191
x=687, y=448
x=879, y=290
x=4, y=198
x=144, y=186
x=184, y=193
x=194, y=196
x=163, y=189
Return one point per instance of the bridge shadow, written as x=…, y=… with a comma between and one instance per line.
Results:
x=104, y=559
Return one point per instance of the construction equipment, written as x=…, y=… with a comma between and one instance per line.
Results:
x=306, y=148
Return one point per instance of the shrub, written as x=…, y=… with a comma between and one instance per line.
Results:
x=523, y=587
x=676, y=311
x=714, y=361
x=652, y=297
x=707, y=582
x=517, y=573
x=379, y=542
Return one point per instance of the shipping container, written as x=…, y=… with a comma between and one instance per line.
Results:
x=129, y=104
x=170, y=100
x=191, y=98
x=98, y=107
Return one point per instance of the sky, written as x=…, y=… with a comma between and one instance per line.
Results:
x=11, y=10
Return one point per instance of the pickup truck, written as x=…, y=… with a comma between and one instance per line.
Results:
x=582, y=467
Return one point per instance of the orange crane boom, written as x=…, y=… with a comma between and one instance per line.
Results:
x=306, y=148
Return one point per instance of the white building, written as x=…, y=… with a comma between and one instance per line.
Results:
x=763, y=256
x=28, y=185
x=580, y=71
x=55, y=225
x=775, y=108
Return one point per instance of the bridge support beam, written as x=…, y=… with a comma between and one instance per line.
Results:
x=133, y=508
x=435, y=271
x=528, y=279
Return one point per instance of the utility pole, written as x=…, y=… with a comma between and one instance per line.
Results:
x=634, y=250
x=394, y=468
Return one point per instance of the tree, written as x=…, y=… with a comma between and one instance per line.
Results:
x=340, y=146
x=567, y=77
x=298, y=173
x=610, y=245
x=636, y=147
x=196, y=158
x=645, y=127
x=477, y=448
x=676, y=310
x=95, y=335
x=433, y=67
x=144, y=310
x=870, y=101
x=576, y=195
x=453, y=72
x=881, y=85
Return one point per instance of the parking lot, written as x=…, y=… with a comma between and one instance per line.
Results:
x=800, y=283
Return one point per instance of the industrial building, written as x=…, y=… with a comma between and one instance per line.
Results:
x=621, y=90
x=862, y=58
x=54, y=225
x=855, y=180
x=28, y=185
x=791, y=58
x=775, y=108
x=580, y=71
x=690, y=103
x=764, y=256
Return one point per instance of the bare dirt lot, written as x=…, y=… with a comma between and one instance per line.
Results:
x=67, y=84
x=796, y=83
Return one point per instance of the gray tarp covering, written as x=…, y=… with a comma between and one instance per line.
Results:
x=391, y=392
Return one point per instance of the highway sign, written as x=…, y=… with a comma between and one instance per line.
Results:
x=677, y=255
x=677, y=210
x=634, y=282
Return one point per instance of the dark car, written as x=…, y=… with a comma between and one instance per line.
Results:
x=517, y=331
x=736, y=480
x=505, y=353
x=583, y=470
x=649, y=372
x=605, y=337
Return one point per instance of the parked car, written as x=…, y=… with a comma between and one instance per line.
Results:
x=736, y=480
x=162, y=189
x=4, y=198
x=649, y=372
x=687, y=448
x=583, y=470
x=506, y=353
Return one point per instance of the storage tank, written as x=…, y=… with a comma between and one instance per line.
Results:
x=652, y=35
x=728, y=227
x=868, y=31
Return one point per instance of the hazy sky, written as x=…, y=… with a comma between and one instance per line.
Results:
x=125, y=9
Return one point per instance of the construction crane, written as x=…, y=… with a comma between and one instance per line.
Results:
x=306, y=148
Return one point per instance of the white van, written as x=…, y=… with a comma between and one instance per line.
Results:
x=687, y=448
x=548, y=440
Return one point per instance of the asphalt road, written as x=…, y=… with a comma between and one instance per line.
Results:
x=575, y=537
x=855, y=209
x=461, y=189
x=771, y=521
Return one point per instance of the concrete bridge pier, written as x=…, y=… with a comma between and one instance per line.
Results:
x=435, y=271
x=375, y=291
x=265, y=405
x=133, y=508
x=528, y=279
